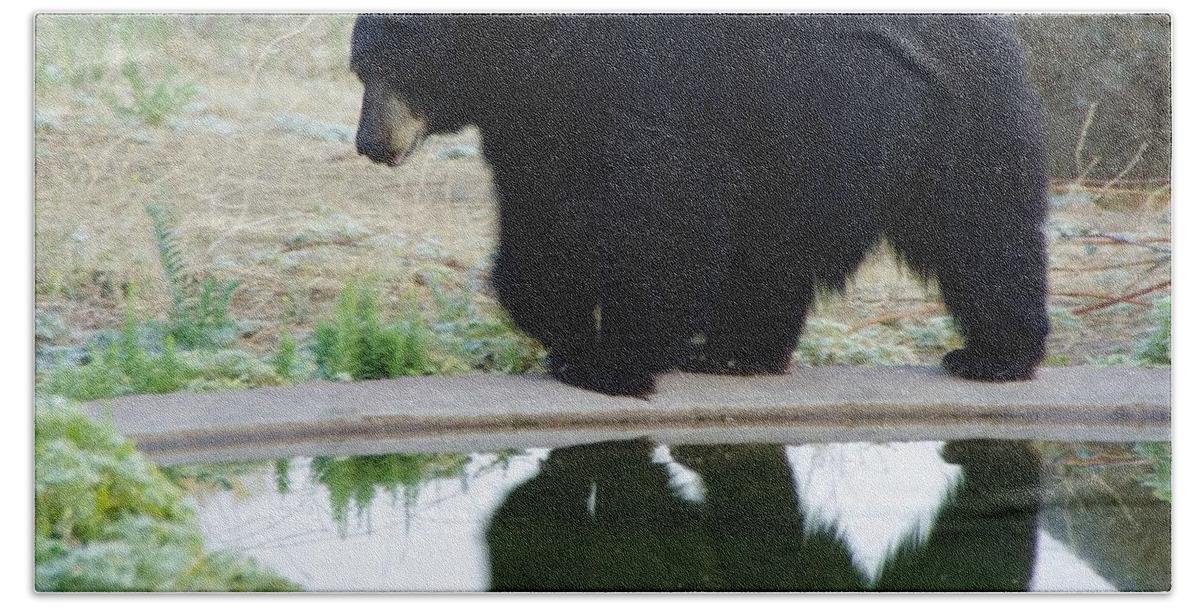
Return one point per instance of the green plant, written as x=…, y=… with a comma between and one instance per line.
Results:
x=153, y=103
x=830, y=343
x=285, y=360
x=102, y=378
x=106, y=519
x=492, y=343
x=356, y=479
x=1156, y=350
x=1159, y=480
x=228, y=368
x=357, y=344
x=478, y=335
x=124, y=367
x=199, y=309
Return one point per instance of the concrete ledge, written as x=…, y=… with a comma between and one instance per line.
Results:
x=478, y=412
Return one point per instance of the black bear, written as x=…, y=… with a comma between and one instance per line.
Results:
x=673, y=188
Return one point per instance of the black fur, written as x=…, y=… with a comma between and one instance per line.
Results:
x=687, y=176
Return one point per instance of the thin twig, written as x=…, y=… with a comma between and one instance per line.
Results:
x=1099, y=296
x=1117, y=300
x=1112, y=239
x=1110, y=266
x=1142, y=277
x=1137, y=156
x=1080, y=173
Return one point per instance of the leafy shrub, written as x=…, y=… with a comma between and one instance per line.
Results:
x=236, y=368
x=123, y=367
x=1157, y=348
x=127, y=367
x=480, y=337
x=496, y=345
x=357, y=344
x=105, y=518
x=1159, y=480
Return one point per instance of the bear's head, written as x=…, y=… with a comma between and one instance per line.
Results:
x=406, y=83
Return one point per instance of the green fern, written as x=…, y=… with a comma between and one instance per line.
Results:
x=357, y=344
x=152, y=104
x=169, y=254
x=198, y=316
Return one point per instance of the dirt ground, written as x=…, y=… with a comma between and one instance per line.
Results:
x=261, y=183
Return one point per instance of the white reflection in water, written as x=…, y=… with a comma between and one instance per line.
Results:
x=1058, y=569
x=685, y=483
x=873, y=495
x=435, y=544
x=877, y=495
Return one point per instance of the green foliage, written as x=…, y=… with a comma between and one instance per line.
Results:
x=230, y=367
x=118, y=371
x=285, y=360
x=495, y=344
x=938, y=333
x=123, y=368
x=126, y=367
x=1159, y=481
x=100, y=379
x=830, y=343
x=479, y=337
x=283, y=478
x=357, y=344
x=1056, y=360
x=105, y=519
x=1157, y=348
x=357, y=479
x=198, y=316
x=152, y=103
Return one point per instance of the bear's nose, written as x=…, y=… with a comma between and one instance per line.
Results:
x=373, y=150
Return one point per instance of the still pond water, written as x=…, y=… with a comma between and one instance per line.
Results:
x=630, y=515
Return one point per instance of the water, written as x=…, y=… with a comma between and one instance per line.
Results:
x=963, y=515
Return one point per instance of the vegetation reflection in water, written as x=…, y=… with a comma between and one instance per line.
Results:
x=629, y=515
x=358, y=479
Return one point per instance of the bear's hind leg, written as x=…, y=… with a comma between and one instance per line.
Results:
x=1001, y=306
x=989, y=261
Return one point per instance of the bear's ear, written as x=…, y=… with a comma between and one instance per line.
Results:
x=400, y=36
x=416, y=52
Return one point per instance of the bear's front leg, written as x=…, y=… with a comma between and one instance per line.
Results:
x=608, y=377
x=565, y=317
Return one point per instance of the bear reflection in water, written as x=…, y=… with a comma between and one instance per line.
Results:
x=611, y=516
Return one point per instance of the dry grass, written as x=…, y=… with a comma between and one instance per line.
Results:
x=240, y=200
x=296, y=217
